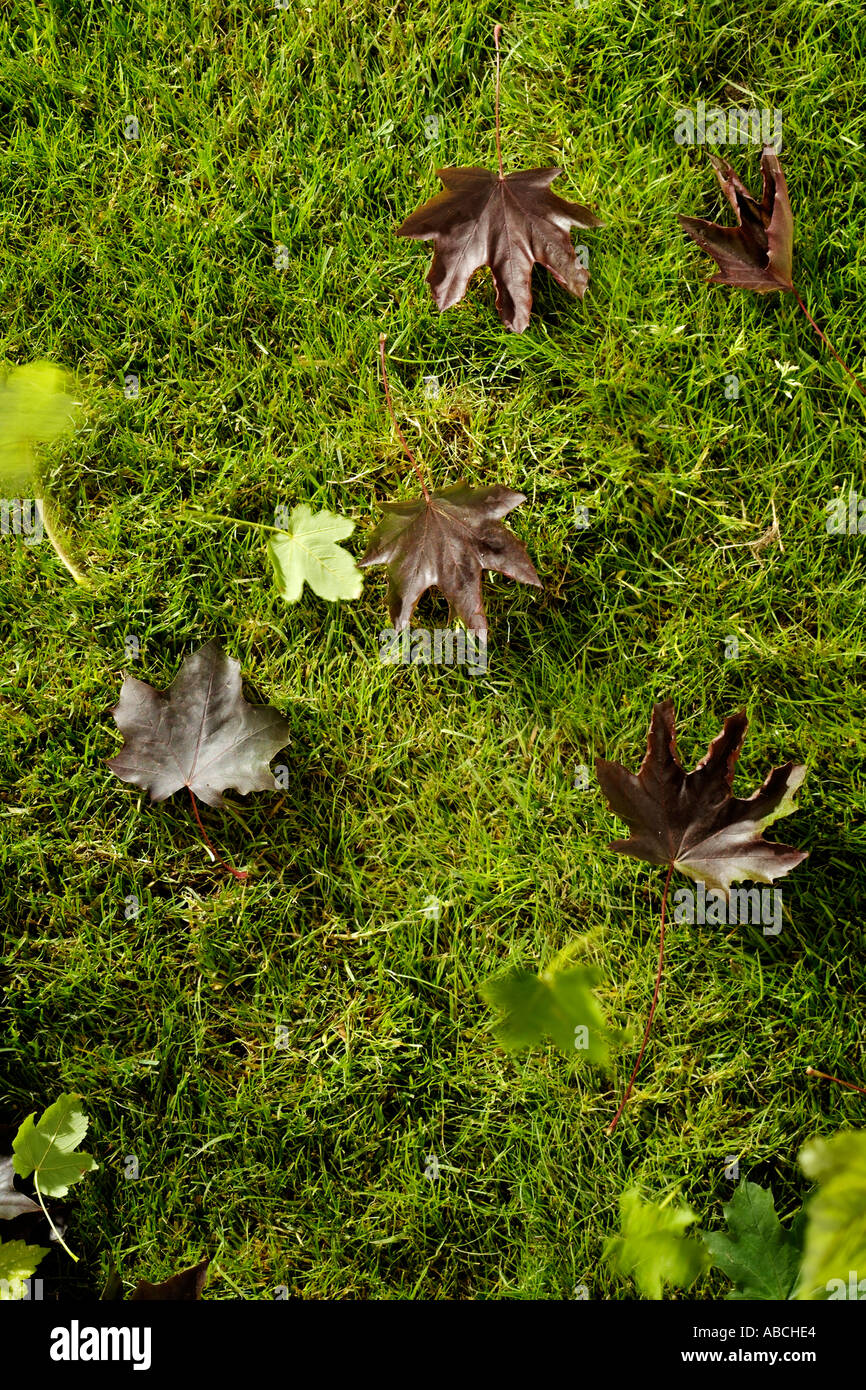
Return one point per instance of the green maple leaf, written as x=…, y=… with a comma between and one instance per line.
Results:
x=835, y=1242
x=47, y=1148
x=652, y=1246
x=18, y=1262
x=756, y=1252
x=34, y=409
x=307, y=551
x=555, y=1004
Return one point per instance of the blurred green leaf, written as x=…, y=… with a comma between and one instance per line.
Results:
x=835, y=1245
x=652, y=1246
x=35, y=408
x=18, y=1262
x=555, y=1004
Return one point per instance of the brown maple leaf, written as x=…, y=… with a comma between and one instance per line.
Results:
x=691, y=820
x=184, y=1287
x=448, y=539
x=200, y=734
x=506, y=221
x=756, y=254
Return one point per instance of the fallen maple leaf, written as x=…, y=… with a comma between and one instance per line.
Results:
x=448, y=539
x=505, y=221
x=36, y=408
x=305, y=550
x=756, y=254
x=12, y=1202
x=445, y=538
x=558, y=1004
x=48, y=1149
x=652, y=1246
x=18, y=1264
x=200, y=734
x=691, y=820
x=757, y=1253
x=835, y=1242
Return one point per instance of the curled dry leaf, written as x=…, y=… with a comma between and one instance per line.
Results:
x=757, y=253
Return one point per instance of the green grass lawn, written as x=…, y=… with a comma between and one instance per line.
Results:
x=302, y=1165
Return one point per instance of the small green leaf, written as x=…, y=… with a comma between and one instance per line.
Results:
x=18, y=1262
x=835, y=1245
x=47, y=1149
x=652, y=1247
x=34, y=408
x=756, y=1252
x=555, y=1004
x=307, y=550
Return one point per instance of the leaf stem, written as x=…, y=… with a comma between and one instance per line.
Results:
x=48, y=1219
x=615, y=1121
x=240, y=874
x=194, y=514
x=826, y=341
x=825, y=1076
x=54, y=537
x=401, y=436
x=497, y=30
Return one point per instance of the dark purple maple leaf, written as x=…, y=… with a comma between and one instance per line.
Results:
x=507, y=222
x=691, y=820
x=183, y=1287
x=200, y=733
x=757, y=253
x=448, y=539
